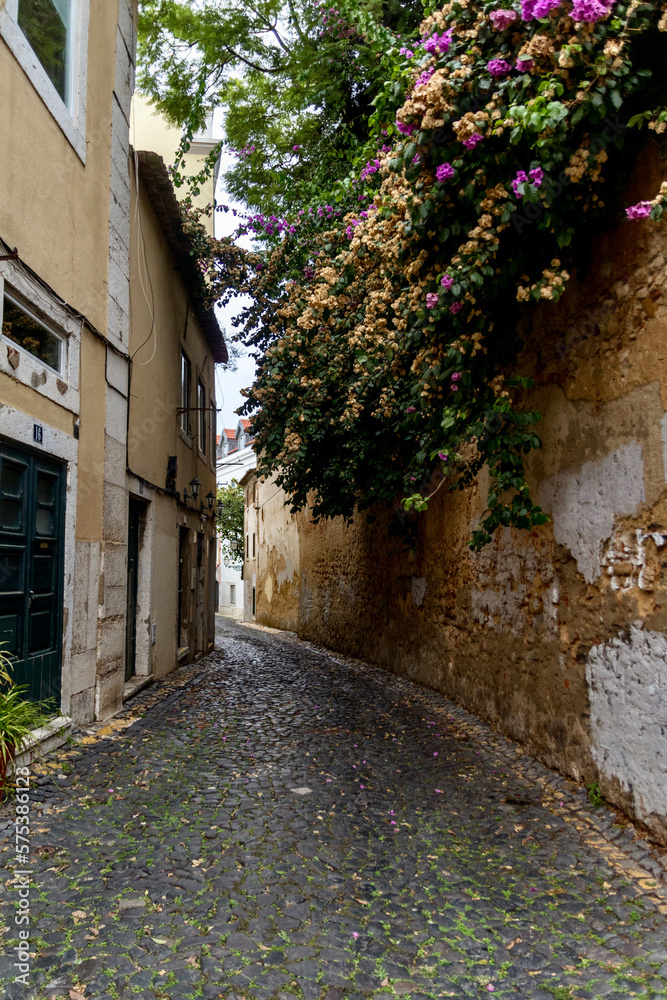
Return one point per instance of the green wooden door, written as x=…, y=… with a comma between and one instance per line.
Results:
x=132, y=589
x=32, y=509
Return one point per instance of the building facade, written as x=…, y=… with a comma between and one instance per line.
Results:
x=175, y=344
x=80, y=614
x=65, y=90
x=235, y=457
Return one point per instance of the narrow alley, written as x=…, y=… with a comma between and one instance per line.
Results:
x=277, y=822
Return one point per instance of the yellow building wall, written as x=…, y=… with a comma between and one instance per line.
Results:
x=155, y=383
x=150, y=130
x=50, y=204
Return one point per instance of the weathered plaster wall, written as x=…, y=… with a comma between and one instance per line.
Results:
x=558, y=636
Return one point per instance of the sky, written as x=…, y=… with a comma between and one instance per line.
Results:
x=229, y=383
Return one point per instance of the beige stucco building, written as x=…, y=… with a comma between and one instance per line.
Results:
x=150, y=130
x=69, y=506
x=175, y=345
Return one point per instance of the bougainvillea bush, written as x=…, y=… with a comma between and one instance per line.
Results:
x=385, y=333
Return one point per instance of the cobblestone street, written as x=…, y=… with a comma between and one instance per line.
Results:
x=277, y=822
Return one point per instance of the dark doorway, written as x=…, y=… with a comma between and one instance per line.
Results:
x=134, y=527
x=32, y=530
x=183, y=589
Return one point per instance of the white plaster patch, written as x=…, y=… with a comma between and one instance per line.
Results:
x=516, y=585
x=627, y=682
x=632, y=559
x=583, y=503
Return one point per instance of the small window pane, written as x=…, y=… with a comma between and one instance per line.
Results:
x=29, y=334
x=11, y=573
x=46, y=25
x=12, y=479
x=45, y=489
x=44, y=521
x=232, y=594
x=10, y=514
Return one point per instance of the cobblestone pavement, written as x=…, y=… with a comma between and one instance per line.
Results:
x=279, y=823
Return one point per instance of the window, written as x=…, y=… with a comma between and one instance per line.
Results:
x=49, y=39
x=29, y=333
x=232, y=593
x=247, y=545
x=202, y=423
x=185, y=393
x=47, y=26
x=253, y=544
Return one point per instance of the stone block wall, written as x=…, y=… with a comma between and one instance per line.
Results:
x=557, y=636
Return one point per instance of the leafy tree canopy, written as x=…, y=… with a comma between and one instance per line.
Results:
x=230, y=519
x=386, y=329
x=297, y=80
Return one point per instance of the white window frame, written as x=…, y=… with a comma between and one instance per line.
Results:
x=24, y=308
x=202, y=422
x=185, y=421
x=213, y=431
x=61, y=387
x=70, y=117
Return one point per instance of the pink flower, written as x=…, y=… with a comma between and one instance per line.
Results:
x=432, y=300
x=454, y=388
x=537, y=176
x=537, y=9
x=524, y=63
x=444, y=172
x=502, y=19
x=591, y=10
x=499, y=67
x=472, y=141
x=438, y=45
x=445, y=458
x=455, y=307
x=424, y=77
x=490, y=988
x=455, y=376
x=435, y=754
x=641, y=210
x=446, y=282
x=296, y=148
x=355, y=934
x=405, y=129
x=410, y=409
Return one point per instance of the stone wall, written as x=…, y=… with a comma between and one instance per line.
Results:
x=557, y=636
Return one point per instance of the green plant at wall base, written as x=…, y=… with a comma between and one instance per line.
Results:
x=18, y=718
x=595, y=796
x=386, y=336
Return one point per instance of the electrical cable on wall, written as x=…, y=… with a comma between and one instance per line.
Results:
x=141, y=240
